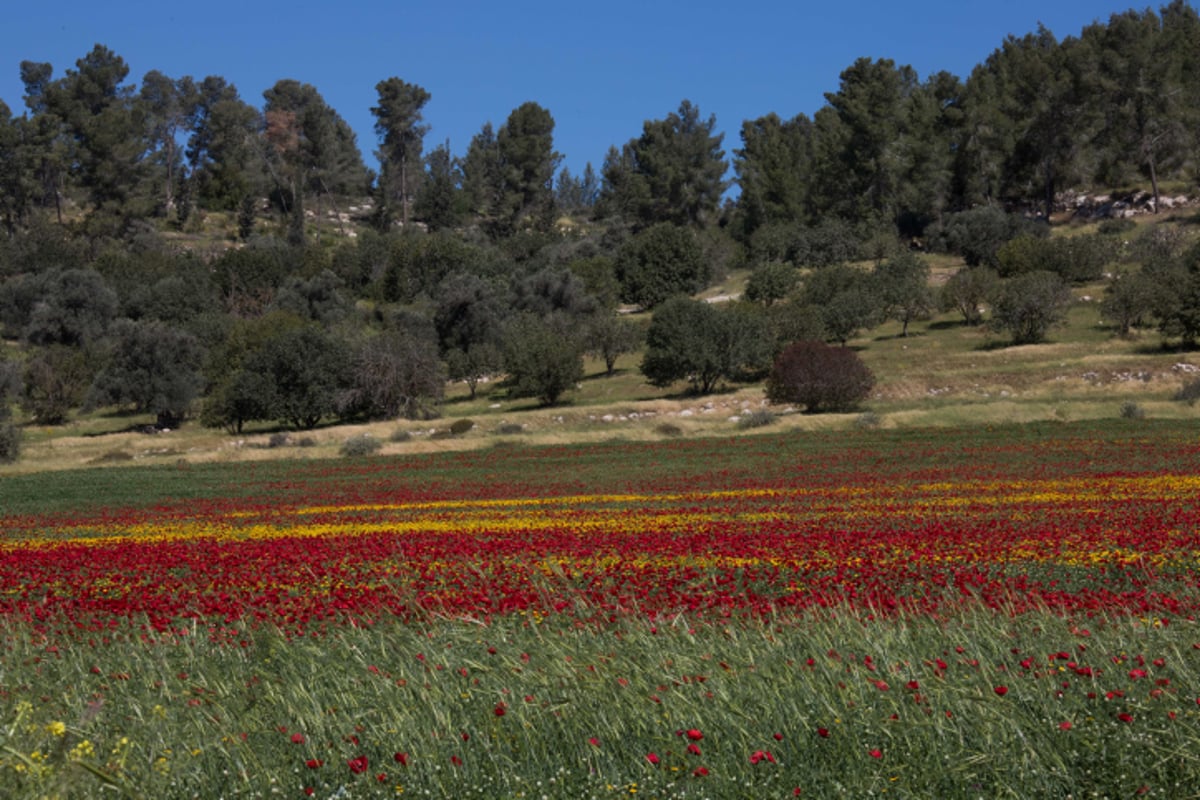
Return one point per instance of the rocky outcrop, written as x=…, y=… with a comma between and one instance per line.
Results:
x=1105, y=206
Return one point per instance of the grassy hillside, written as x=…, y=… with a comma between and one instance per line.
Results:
x=943, y=373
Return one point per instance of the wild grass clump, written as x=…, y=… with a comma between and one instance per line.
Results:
x=112, y=457
x=281, y=439
x=400, y=436
x=510, y=429
x=361, y=445
x=668, y=429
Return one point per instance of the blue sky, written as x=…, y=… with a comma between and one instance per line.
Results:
x=601, y=69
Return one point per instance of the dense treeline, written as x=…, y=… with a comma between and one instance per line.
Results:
x=170, y=242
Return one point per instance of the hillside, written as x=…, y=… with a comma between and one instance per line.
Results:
x=942, y=374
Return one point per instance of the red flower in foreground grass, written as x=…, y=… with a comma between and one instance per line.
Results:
x=653, y=758
x=700, y=772
x=1125, y=717
x=694, y=734
x=875, y=753
x=823, y=733
x=499, y=710
x=1001, y=690
x=401, y=759
x=761, y=755
x=313, y=763
x=297, y=738
x=358, y=764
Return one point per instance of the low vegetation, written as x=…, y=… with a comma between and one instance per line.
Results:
x=493, y=624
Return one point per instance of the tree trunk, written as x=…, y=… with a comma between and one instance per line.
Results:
x=1049, y=199
x=1153, y=180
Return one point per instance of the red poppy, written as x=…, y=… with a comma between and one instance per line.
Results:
x=653, y=758
x=313, y=763
x=401, y=759
x=875, y=753
x=823, y=733
x=700, y=772
x=694, y=734
x=1001, y=690
x=358, y=764
x=297, y=738
x=694, y=749
x=1125, y=717
x=761, y=755
x=1065, y=725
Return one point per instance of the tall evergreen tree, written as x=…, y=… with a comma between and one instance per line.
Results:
x=674, y=172
x=106, y=136
x=528, y=163
x=165, y=104
x=483, y=178
x=224, y=150
x=16, y=171
x=398, y=124
x=1137, y=69
x=872, y=104
x=439, y=201
x=774, y=170
x=312, y=148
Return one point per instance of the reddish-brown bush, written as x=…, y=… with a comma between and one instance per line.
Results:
x=819, y=377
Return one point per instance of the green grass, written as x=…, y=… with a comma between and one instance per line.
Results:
x=579, y=712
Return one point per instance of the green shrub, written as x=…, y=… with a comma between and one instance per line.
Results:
x=1189, y=393
x=1117, y=225
x=10, y=442
x=867, y=421
x=1131, y=410
x=278, y=440
x=510, y=428
x=362, y=445
x=760, y=417
x=668, y=429
x=400, y=436
x=461, y=426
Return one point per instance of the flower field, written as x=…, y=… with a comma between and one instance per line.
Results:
x=938, y=613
